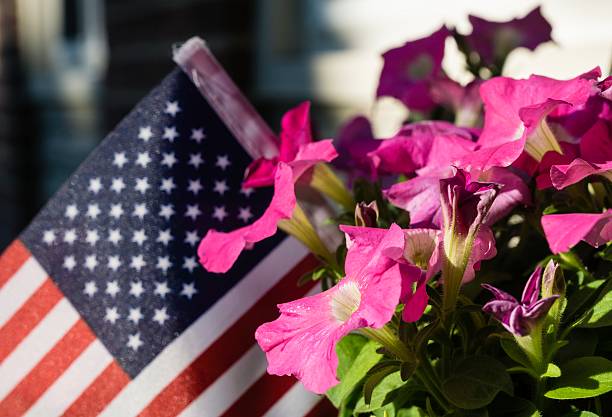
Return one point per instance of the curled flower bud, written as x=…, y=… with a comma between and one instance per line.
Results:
x=520, y=318
x=366, y=215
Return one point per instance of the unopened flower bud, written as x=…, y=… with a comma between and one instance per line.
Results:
x=366, y=215
x=553, y=282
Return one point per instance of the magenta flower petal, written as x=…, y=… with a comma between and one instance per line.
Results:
x=421, y=250
x=483, y=249
x=513, y=192
x=494, y=40
x=311, y=154
x=302, y=341
x=596, y=143
x=363, y=246
x=295, y=131
x=531, y=292
x=520, y=318
x=420, y=196
x=420, y=149
x=565, y=230
x=409, y=69
x=354, y=142
x=260, y=173
x=505, y=97
x=515, y=112
x=563, y=176
x=414, y=292
x=218, y=251
x=296, y=149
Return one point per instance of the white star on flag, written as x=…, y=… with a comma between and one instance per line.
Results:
x=120, y=159
x=112, y=315
x=172, y=108
x=170, y=134
x=145, y=133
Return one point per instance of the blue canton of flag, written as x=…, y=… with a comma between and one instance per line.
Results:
x=104, y=308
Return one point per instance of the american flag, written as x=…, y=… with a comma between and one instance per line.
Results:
x=104, y=309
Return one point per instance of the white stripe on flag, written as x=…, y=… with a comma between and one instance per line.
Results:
x=230, y=386
x=36, y=344
x=19, y=288
x=67, y=388
x=233, y=383
x=206, y=329
x=296, y=402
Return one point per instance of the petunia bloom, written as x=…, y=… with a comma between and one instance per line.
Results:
x=595, y=158
x=218, y=251
x=565, y=230
x=465, y=204
x=296, y=149
x=418, y=261
x=516, y=114
x=354, y=142
x=420, y=196
x=520, y=317
x=302, y=341
x=408, y=70
x=494, y=40
x=424, y=146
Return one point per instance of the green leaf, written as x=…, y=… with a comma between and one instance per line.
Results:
x=413, y=411
x=390, y=395
x=552, y=371
x=602, y=310
x=583, y=378
x=582, y=300
x=580, y=414
x=507, y=406
x=407, y=369
x=373, y=380
x=353, y=367
x=475, y=382
x=513, y=350
x=517, y=369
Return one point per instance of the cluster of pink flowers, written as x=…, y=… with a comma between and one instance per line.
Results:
x=456, y=183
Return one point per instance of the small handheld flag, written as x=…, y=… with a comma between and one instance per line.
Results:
x=104, y=309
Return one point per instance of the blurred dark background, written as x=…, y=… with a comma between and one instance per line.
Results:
x=71, y=69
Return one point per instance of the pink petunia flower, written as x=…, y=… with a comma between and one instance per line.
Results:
x=565, y=230
x=516, y=114
x=494, y=40
x=296, y=149
x=420, y=196
x=218, y=251
x=519, y=318
x=465, y=205
x=354, y=142
x=408, y=70
x=421, y=147
x=419, y=261
x=595, y=150
x=302, y=341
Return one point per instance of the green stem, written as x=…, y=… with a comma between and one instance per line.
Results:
x=328, y=183
x=432, y=389
x=387, y=338
x=300, y=227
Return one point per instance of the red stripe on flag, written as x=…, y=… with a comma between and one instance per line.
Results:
x=28, y=316
x=51, y=367
x=260, y=396
x=11, y=260
x=226, y=350
x=324, y=408
x=99, y=393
